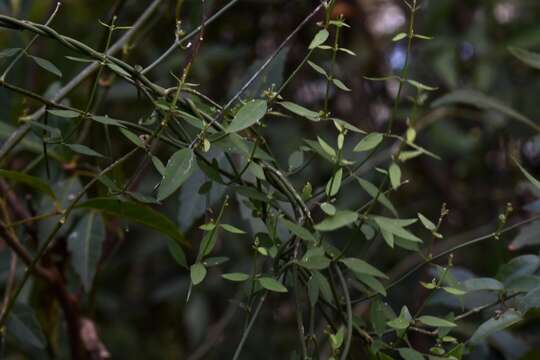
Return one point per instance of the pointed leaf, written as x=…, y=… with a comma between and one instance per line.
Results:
x=84, y=150
x=84, y=244
x=137, y=213
x=272, y=284
x=369, y=142
x=493, y=325
x=319, y=39
x=198, y=273
x=362, y=267
x=31, y=181
x=341, y=219
x=179, y=168
x=23, y=325
x=248, y=115
x=47, y=65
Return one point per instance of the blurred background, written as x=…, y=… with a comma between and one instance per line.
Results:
x=139, y=299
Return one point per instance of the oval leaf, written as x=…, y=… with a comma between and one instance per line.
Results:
x=248, y=115
x=179, y=168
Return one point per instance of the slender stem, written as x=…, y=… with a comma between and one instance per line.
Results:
x=178, y=42
x=249, y=327
x=442, y=254
x=345, y=351
x=30, y=43
x=52, y=235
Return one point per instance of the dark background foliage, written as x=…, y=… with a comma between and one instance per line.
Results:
x=139, y=299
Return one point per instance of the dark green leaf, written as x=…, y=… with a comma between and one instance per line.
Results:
x=23, y=325
x=179, y=168
x=68, y=114
x=528, y=57
x=105, y=120
x=299, y=231
x=198, y=273
x=137, y=213
x=82, y=149
x=479, y=100
x=361, y=267
x=177, y=252
x=248, y=115
x=31, y=181
x=369, y=142
x=435, y=321
x=301, y=111
x=47, y=65
x=237, y=277
x=410, y=354
x=272, y=284
x=85, y=243
x=493, y=325
x=341, y=219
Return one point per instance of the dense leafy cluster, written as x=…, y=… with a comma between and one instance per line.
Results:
x=303, y=242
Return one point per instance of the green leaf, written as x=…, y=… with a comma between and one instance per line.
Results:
x=299, y=231
x=179, y=168
x=85, y=243
x=105, y=120
x=396, y=227
x=399, y=36
x=480, y=284
x=23, y=325
x=340, y=84
x=317, y=68
x=118, y=70
x=197, y=273
x=215, y=261
x=372, y=190
x=493, y=325
x=481, y=101
x=361, y=267
x=529, y=177
x=248, y=115
x=530, y=301
x=421, y=86
x=237, y=277
x=328, y=209
x=454, y=291
x=300, y=111
x=369, y=142
x=319, y=39
x=527, y=57
x=395, y=175
x=528, y=235
x=137, y=213
x=9, y=52
x=435, y=321
x=314, y=259
x=31, y=181
x=428, y=224
x=177, y=252
x=329, y=150
x=341, y=219
x=410, y=354
x=82, y=149
x=232, y=229
x=68, y=114
x=47, y=65
x=371, y=282
x=403, y=321
x=132, y=137
x=272, y=284
x=334, y=184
